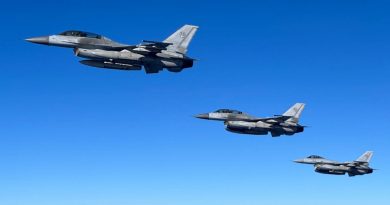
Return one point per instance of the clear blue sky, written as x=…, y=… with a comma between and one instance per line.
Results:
x=71, y=134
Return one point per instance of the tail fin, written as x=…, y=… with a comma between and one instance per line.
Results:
x=181, y=38
x=294, y=112
x=366, y=157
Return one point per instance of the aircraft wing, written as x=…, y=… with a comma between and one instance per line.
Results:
x=273, y=120
x=338, y=163
x=150, y=47
x=156, y=44
x=349, y=164
x=120, y=48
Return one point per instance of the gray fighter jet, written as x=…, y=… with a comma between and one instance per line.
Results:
x=239, y=122
x=358, y=167
x=105, y=53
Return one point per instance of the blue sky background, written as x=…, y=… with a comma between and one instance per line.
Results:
x=71, y=134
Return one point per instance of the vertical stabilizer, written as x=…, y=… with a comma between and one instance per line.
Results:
x=294, y=112
x=366, y=157
x=181, y=38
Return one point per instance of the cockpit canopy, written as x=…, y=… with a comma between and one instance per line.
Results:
x=228, y=111
x=315, y=157
x=80, y=34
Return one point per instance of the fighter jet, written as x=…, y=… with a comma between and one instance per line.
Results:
x=324, y=166
x=103, y=52
x=239, y=122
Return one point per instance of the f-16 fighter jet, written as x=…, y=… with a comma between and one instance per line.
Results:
x=239, y=122
x=105, y=53
x=358, y=167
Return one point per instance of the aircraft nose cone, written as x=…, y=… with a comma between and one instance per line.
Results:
x=39, y=40
x=298, y=161
x=202, y=116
